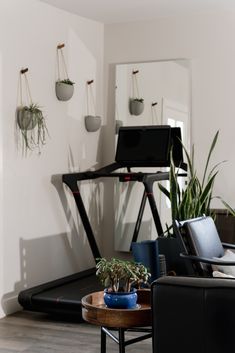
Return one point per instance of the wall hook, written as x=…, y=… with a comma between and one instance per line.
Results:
x=23, y=71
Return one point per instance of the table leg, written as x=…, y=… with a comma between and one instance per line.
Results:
x=121, y=332
x=103, y=341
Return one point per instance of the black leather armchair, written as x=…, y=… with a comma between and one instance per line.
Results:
x=193, y=315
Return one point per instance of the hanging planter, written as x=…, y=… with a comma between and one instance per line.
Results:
x=30, y=120
x=64, y=87
x=92, y=122
x=136, y=104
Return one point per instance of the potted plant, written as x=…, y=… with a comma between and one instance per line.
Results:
x=32, y=127
x=64, y=89
x=119, y=277
x=136, y=106
x=190, y=202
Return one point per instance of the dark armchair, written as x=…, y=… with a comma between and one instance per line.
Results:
x=195, y=314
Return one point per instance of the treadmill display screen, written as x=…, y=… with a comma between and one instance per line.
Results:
x=144, y=146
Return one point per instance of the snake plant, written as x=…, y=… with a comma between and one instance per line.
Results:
x=195, y=199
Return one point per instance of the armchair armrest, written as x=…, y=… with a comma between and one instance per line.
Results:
x=228, y=246
x=207, y=260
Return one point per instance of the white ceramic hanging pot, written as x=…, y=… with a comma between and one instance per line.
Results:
x=92, y=123
x=64, y=91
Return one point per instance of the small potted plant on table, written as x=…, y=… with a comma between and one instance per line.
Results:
x=119, y=278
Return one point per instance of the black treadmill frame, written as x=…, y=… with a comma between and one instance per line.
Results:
x=110, y=171
x=34, y=298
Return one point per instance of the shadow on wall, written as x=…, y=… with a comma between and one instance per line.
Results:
x=91, y=194
x=40, y=261
x=52, y=257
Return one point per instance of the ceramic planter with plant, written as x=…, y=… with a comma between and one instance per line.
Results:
x=32, y=127
x=92, y=121
x=119, y=278
x=64, y=87
x=136, y=104
x=30, y=120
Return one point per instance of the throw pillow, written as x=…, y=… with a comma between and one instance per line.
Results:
x=228, y=270
x=219, y=274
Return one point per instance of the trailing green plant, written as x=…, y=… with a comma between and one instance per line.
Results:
x=141, y=100
x=195, y=199
x=32, y=127
x=67, y=81
x=121, y=275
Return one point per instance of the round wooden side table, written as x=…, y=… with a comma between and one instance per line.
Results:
x=138, y=319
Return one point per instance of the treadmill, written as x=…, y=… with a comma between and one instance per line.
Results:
x=142, y=146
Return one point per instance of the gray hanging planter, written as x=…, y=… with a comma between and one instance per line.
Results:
x=136, y=106
x=32, y=127
x=30, y=120
x=26, y=119
x=64, y=89
x=92, y=123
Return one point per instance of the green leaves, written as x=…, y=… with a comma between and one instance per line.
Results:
x=195, y=199
x=32, y=128
x=115, y=273
x=67, y=81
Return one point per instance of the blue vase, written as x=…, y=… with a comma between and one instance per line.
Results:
x=120, y=300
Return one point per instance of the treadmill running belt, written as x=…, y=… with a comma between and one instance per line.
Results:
x=63, y=296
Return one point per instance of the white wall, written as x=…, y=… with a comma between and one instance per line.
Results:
x=155, y=81
x=207, y=40
x=41, y=238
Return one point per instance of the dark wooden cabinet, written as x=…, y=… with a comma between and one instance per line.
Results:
x=225, y=224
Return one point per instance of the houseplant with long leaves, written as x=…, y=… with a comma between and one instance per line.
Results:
x=190, y=202
x=195, y=199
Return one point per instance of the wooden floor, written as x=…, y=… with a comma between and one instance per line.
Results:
x=38, y=333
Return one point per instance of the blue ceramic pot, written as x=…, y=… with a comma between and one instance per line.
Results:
x=120, y=300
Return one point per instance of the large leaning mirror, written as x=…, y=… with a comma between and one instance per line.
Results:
x=162, y=94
